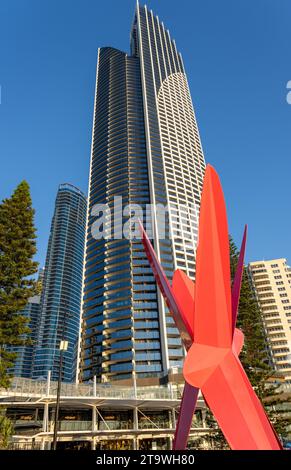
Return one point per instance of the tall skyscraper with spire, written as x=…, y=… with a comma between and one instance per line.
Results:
x=145, y=148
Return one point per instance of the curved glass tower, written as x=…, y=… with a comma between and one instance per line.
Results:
x=62, y=286
x=145, y=149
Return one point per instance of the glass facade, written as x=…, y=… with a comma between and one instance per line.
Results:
x=23, y=363
x=62, y=286
x=146, y=149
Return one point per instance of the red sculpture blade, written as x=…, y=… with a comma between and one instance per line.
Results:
x=166, y=289
x=236, y=286
x=211, y=363
x=184, y=320
x=237, y=409
x=187, y=409
x=205, y=314
x=184, y=291
x=213, y=325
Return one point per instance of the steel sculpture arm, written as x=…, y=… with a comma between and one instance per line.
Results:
x=205, y=314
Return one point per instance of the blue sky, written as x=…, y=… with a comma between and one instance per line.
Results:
x=237, y=58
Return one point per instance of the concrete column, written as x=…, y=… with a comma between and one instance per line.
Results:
x=48, y=383
x=94, y=418
x=173, y=418
x=94, y=386
x=134, y=384
x=203, y=418
x=135, y=443
x=135, y=427
x=45, y=420
x=93, y=444
x=42, y=444
x=135, y=419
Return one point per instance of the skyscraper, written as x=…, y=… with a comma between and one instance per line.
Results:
x=23, y=363
x=62, y=286
x=272, y=284
x=145, y=149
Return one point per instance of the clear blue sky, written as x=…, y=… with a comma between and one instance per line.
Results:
x=237, y=57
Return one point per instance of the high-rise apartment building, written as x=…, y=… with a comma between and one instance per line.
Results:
x=145, y=149
x=62, y=286
x=272, y=284
x=23, y=363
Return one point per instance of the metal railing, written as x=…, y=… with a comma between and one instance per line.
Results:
x=22, y=387
x=41, y=388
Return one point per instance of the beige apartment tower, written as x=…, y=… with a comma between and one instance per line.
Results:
x=272, y=284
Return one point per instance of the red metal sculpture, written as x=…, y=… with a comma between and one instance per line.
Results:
x=205, y=314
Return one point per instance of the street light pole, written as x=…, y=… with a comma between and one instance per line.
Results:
x=63, y=347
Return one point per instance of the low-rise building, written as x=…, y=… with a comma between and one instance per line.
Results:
x=97, y=416
x=272, y=284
